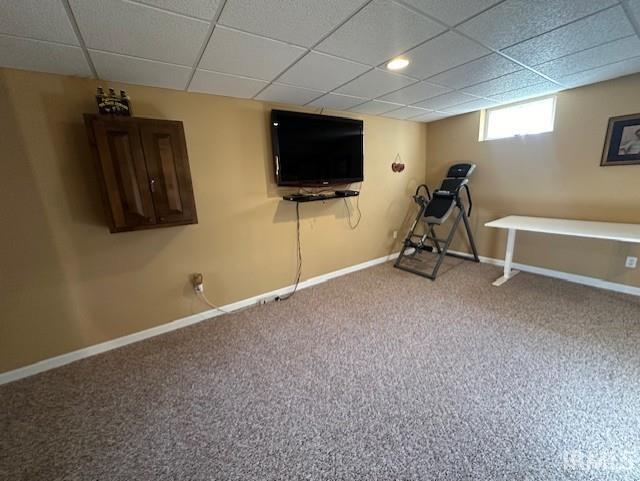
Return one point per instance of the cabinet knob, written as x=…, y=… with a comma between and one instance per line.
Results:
x=161, y=219
x=153, y=185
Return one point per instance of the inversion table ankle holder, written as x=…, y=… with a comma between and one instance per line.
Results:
x=434, y=210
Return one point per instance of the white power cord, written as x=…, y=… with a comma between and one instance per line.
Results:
x=211, y=304
x=198, y=286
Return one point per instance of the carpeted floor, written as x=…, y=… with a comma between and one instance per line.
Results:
x=378, y=375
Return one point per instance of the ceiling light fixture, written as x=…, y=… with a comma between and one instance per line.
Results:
x=397, y=63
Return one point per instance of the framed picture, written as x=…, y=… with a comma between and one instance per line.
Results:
x=622, y=143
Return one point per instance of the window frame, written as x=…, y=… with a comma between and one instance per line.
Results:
x=486, y=115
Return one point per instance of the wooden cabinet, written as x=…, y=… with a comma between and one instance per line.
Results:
x=144, y=172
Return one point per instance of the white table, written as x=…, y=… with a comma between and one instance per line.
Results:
x=576, y=228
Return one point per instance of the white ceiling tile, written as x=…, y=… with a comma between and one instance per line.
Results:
x=485, y=68
x=532, y=91
x=472, y=106
x=441, y=53
x=26, y=54
x=378, y=32
x=430, y=117
x=205, y=9
x=303, y=22
x=452, y=12
x=446, y=100
x=415, y=93
x=375, y=107
x=321, y=71
x=337, y=101
x=511, y=81
x=134, y=29
x=606, y=72
x=589, y=32
x=375, y=83
x=238, y=53
x=39, y=19
x=224, y=84
x=513, y=21
x=404, y=113
x=592, y=58
x=287, y=94
x=121, y=68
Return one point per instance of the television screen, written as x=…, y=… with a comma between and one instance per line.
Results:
x=316, y=150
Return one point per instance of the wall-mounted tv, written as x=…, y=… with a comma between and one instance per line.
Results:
x=316, y=150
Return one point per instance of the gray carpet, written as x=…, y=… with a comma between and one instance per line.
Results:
x=379, y=375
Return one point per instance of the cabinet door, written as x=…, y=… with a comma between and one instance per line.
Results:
x=125, y=180
x=165, y=152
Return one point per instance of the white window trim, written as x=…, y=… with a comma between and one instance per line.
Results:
x=484, y=118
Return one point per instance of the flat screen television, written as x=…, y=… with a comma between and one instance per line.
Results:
x=316, y=150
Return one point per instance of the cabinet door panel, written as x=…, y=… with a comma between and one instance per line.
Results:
x=165, y=153
x=122, y=165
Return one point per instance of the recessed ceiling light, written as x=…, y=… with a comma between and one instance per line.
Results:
x=397, y=63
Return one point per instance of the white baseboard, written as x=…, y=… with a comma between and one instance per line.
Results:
x=566, y=276
x=85, y=352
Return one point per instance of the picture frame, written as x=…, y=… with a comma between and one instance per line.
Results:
x=622, y=142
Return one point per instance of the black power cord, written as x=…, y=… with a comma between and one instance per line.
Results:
x=299, y=262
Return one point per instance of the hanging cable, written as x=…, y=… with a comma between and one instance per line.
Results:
x=358, y=211
x=299, y=261
x=211, y=304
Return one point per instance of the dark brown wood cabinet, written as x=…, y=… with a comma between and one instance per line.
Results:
x=144, y=173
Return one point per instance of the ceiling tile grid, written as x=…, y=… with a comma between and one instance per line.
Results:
x=416, y=92
x=536, y=90
x=430, y=116
x=485, y=68
x=404, y=113
x=234, y=52
x=608, y=25
x=337, y=101
x=134, y=29
x=332, y=53
x=122, y=68
x=452, y=12
x=513, y=21
x=37, y=19
x=301, y=22
x=510, y=81
x=474, y=105
x=217, y=83
x=375, y=107
x=27, y=54
x=202, y=9
x=595, y=57
x=446, y=100
x=321, y=71
x=375, y=83
x=442, y=53
x=606, y=72
x=288, y=94
x=378, y=32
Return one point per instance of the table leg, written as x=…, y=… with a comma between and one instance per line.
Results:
x=508, y=259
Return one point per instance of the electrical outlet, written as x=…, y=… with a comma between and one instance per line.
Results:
x=197, y=280
x=395, y=234
x=631, y=262
x=264, y=300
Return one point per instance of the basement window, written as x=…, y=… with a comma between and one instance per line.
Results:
x=524, y=118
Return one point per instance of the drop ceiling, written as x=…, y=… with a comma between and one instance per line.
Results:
x=465, y=55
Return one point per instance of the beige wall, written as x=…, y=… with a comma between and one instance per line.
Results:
x=550, y=175
x=67, y=283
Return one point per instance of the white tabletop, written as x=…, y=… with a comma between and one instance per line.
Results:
x=578, y=228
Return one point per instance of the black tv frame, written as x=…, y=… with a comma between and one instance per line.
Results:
x=314, y=182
